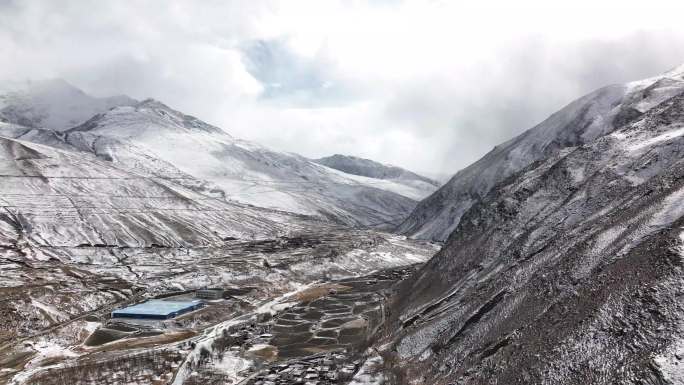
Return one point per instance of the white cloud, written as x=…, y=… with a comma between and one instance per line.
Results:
x=430, y=85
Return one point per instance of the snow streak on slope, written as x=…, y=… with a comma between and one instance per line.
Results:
x=582, y=121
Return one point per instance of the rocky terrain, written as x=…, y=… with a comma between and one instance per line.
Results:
x=57, y=299
x=567, y=272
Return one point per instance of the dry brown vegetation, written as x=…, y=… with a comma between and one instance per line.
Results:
x=320, y=291
x=146, y=342
x=135, y=368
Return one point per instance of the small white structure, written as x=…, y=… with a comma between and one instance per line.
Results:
x=213, y=293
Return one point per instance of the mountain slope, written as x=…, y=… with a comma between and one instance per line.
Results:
x=238, y=170
x=52, y=197
x=53, y=104
x=582, y=121
x=568, y=272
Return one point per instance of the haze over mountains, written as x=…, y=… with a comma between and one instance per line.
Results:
x=372, y=169
x=154, y=140
x=335, y=192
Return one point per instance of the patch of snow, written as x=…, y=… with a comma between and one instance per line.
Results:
x=281, y=303
x=671, y=365
x=370, y=373
x=55, y=314
x=657, y=139
x=231, y=366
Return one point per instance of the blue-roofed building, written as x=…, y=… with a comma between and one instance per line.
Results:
x=157, y=309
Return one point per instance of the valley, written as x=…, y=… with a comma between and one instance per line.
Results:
x=144, y=246
x=141, y=202
x=325, y=284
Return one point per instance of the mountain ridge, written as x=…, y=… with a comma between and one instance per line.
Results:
x=158, y=141
x=583, y=120
x=585, y=245
x=370, y=168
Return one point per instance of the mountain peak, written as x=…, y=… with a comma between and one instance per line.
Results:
x=592, y=116
x=152, y=103
x=147, y=116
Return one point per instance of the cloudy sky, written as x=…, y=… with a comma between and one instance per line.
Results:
x=428, y=85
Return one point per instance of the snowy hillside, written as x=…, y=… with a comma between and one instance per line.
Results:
x=582, y=121
x=570, y=271
x=91, y=222
x=53, y=104
x=53, y=198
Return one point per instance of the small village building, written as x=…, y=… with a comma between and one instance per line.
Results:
x=210, y=293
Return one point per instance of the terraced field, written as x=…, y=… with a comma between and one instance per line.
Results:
x=343, y=318
x=323, y=336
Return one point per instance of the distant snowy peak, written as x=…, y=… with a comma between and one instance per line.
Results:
x=53, y=104
x=155, y=140
x=134, y=120
x=369, y=168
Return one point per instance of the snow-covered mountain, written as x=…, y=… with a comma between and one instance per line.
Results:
x=582, y=121
x=52, y=104
x=570, y=270
x=154, y=140
x=365, y=167
x=238, y=170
